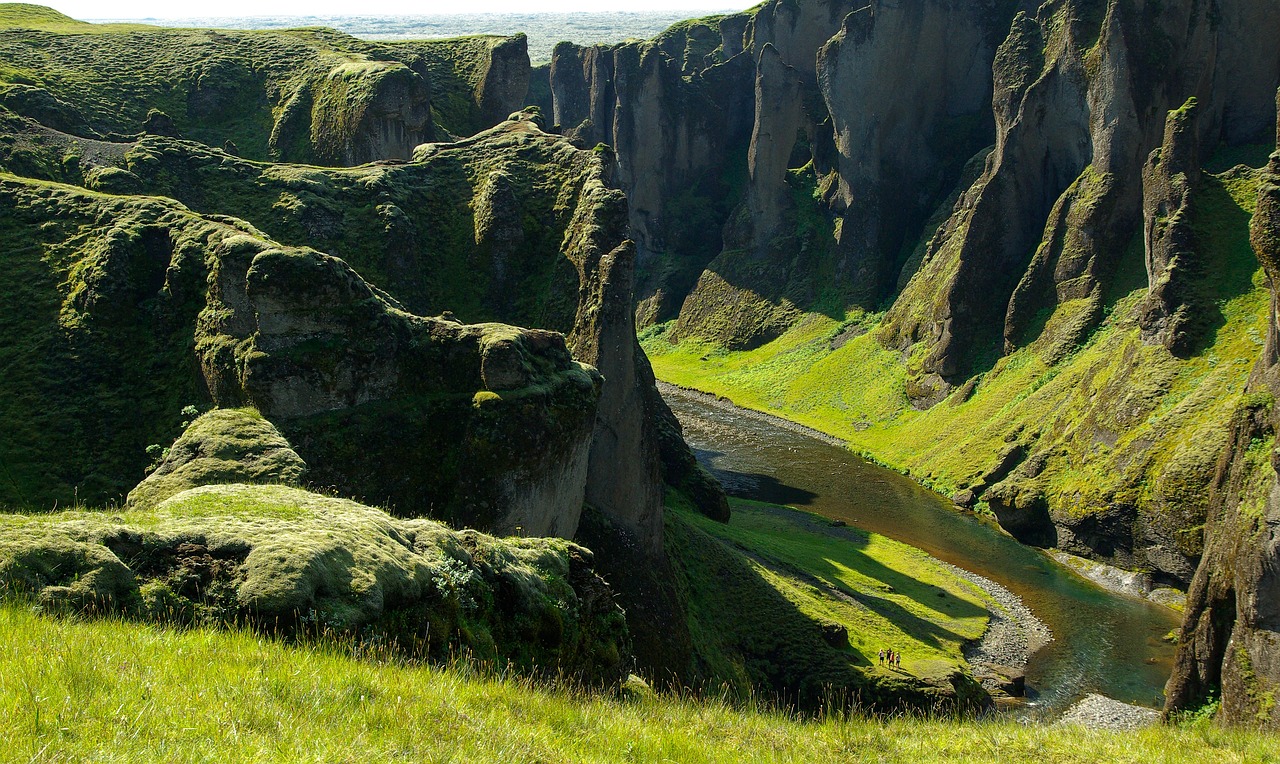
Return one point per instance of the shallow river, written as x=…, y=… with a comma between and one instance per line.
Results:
x=1103, y=642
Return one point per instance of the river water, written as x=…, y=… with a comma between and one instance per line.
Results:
x=1103, y=642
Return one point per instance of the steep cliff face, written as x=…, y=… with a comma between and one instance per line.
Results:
x=488, y=426
x=1081, y=94
x=355, y=113
x=676, y=113
x=314, y=96
x=786, y=126
x=908, y=87
x=1229, y=646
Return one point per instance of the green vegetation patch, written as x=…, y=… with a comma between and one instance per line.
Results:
x=781, y=600
x=888, y=594
x=1086, y=421
x=298, y=563
x=222, y=446
x=75, y=690
x=282, y=93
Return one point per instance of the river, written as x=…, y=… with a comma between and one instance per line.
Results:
x=1103, y=642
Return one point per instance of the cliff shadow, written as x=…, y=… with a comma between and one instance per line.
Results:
x=754, y=485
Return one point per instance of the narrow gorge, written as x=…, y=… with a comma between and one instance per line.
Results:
x=334, y=338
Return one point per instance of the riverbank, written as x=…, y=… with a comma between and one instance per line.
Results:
x=1115, y=434
x=725, y=404
x=1013, y=633
x=1121, y=581
x=1113, y=579
x=866, y=593
x=1110, y=645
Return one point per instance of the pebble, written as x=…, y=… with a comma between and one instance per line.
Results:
x=1103, y=713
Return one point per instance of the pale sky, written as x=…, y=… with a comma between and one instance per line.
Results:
x=169, y=9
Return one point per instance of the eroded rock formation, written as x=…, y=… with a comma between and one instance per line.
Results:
x=1229, y=645
x=1081, y=96
x=983, y=172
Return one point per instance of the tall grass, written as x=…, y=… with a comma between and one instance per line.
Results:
x=120, y=691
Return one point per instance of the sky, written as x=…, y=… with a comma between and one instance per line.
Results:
x=168, y=9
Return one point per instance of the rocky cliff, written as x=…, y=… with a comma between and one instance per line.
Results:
x=969, y=187
x=307, y=294
x=769, y=109
x=485, y=425
x=1081, y=94
x=1229, y=646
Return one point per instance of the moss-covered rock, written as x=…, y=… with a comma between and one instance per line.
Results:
x=287, y=561
x=1229, y=644
x=379, y=402
x=307, y=95
x=222, y=446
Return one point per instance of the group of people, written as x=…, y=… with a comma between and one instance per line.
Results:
x=890, y=657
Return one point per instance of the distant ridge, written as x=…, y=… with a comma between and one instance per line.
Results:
x=544, y=29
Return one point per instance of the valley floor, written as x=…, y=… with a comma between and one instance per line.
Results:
x=119, y=691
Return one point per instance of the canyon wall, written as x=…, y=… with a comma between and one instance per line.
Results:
x=966, y=182
x=1229, y=645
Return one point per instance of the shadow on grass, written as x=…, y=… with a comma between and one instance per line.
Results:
x=822, y=554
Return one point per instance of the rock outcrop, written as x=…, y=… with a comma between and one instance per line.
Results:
x=1229, y=645
x=1081, y=97
x=221, y=447
x=1169, y=181
x=355, y=113
x=295, y=563
x=725, y=111
x=486, y=425
x=908, y=87
x=676, y=113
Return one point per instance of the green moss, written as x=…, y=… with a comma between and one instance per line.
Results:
x=1095, y=414
x=223, y=446
x=779, y=599
x=98, y=358
x=288, y=94
x=296, y=562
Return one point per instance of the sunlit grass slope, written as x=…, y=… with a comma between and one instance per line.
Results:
x=117, y=691
x=887, y=594
x=1093, y=413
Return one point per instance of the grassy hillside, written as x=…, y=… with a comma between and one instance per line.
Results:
x=125, y=692
x=1081, y=423
x=783, y=603
x=885, y=594
x=293, y=94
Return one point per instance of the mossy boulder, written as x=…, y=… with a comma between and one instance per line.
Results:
x=296, y=563
x=222, y=446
